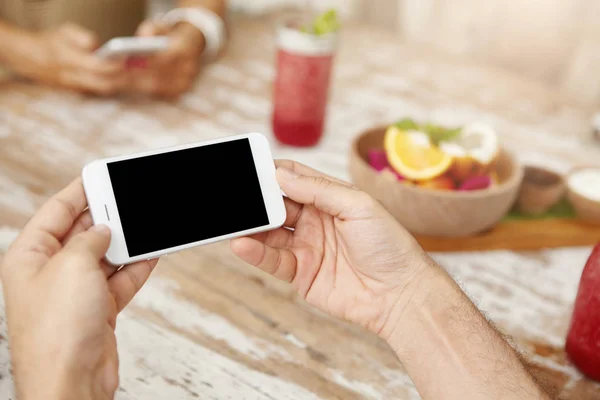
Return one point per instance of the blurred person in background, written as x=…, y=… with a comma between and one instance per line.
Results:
x=53, y=42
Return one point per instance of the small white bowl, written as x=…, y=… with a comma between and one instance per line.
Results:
x=588, y=209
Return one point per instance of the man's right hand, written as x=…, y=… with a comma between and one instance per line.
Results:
x=340, y=248
x=64, y=57
x=347, y=256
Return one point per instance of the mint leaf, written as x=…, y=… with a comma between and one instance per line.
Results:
x=407, y=124
x=323, y=24
x=439, y=134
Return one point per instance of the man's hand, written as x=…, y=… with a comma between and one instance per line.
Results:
x=347, y=256
x=64, y=57
x=172, y=72
x=62, y=302
x=340, y=249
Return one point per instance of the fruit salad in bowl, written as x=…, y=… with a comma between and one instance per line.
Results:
x=439, y=158
x=436, y=180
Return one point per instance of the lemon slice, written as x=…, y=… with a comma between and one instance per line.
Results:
x=412, y=154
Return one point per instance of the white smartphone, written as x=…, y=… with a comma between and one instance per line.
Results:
x=171, y=199
x=133, y=46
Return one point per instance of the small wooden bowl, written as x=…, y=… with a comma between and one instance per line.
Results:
x=587, y=209
x=436, y=212
x=540, y=190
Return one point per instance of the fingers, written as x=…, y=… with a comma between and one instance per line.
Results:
x=86, y=72
x=42, y=236
x=293, y=212
x=108, y=269
x=59, y=213
x=78, y=36
x=151, y=28
x=278, y=238
x=281, y=263
x=92, y=82
x=153, y=81
x=92, y=243
x=82, y=224
x=99, y=66
x=328, y=196
x=76, y=59
x=308, y=171
x=125, y=283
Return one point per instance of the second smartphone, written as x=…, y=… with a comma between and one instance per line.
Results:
x=166, y=200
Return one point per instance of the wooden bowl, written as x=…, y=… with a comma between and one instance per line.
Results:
x=435, y=212
x=587, y=209
x=540, y=190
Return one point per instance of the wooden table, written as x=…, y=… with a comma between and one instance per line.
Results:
x=206, y=325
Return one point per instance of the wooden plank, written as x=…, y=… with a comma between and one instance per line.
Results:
x=520, y=235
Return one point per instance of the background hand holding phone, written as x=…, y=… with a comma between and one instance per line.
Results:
x=172, y=72
x=64, y=57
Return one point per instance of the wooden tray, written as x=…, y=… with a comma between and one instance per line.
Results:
x=521, y=234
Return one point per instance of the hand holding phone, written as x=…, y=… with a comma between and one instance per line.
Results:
x=123, y=47
x=64, y=57
x=172, y=72
x=173, y=199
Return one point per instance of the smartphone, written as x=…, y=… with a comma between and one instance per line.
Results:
x=161, y=201
x=133, y=46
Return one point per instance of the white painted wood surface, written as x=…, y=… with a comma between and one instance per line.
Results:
x=206, y=326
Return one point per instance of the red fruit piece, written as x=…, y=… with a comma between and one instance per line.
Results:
x=583, y=340
x=476, y=183
x=378, y=159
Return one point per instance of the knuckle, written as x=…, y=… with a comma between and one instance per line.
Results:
x=321, y=181
x=66, y=208
x=134, y=281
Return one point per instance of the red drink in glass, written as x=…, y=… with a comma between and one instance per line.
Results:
x=304, y=64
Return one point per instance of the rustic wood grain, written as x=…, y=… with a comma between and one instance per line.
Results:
x=520, y=235
x=206, y=325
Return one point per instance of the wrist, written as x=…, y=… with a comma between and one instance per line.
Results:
x=51, y=382
x=192, y=35
x=210, y=24
x=425, y=297
x=19, y=51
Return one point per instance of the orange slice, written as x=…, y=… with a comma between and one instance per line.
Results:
x=412, y=154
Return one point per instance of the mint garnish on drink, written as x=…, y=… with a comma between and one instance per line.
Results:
x=323, y=24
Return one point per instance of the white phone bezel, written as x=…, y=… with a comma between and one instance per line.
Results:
x=103, y=207
x=132, y=46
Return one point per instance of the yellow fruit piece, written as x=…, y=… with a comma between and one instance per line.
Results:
x=413, y=156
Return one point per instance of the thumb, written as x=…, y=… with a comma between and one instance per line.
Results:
x=94, y=242
x=151, y=28
x=330, y=197
x=79, y=36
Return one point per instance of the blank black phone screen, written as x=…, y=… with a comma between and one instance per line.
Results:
x=181, y=197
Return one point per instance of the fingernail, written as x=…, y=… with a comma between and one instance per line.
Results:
x=102, y=229
x=287, y=173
